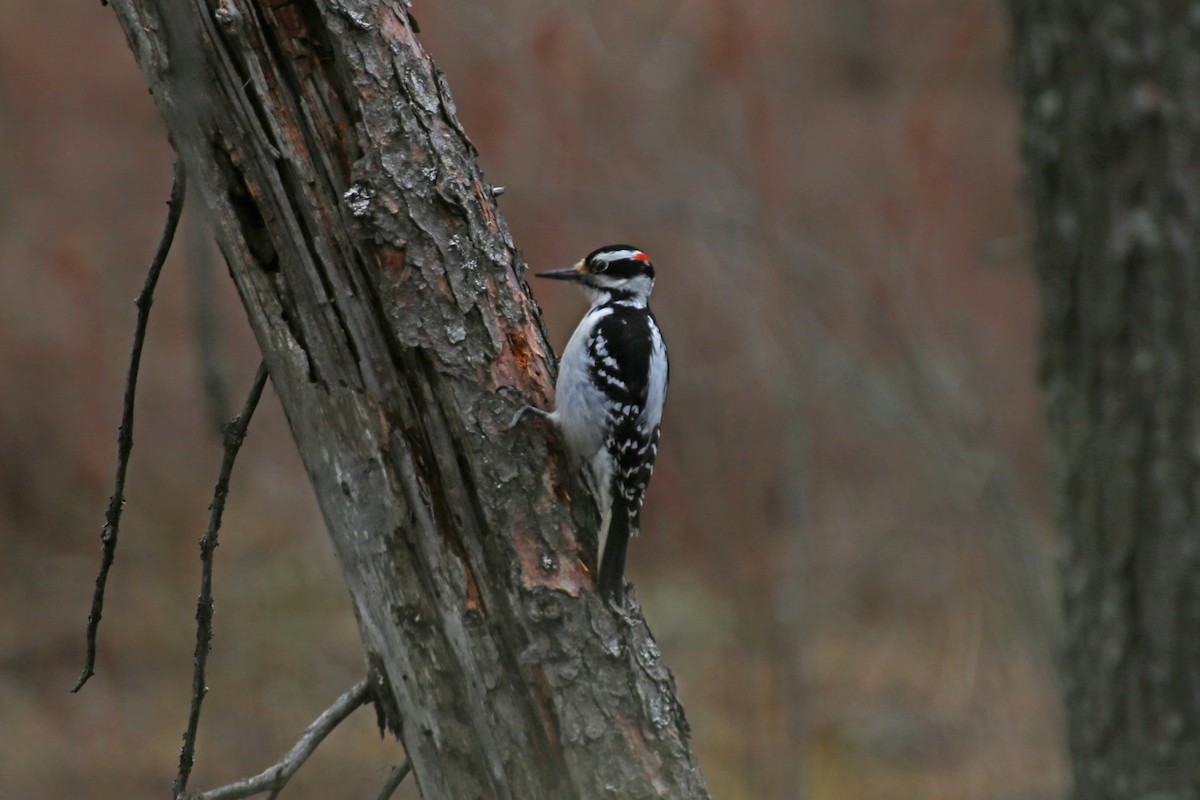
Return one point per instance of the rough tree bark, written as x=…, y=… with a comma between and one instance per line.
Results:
x=1110, y=95
x=387, y=298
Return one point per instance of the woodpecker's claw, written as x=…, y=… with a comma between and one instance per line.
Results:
x=525, y=407
x=527, y=410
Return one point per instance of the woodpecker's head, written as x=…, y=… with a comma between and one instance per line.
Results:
x=616, y=272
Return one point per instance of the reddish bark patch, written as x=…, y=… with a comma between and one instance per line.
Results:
x=485, y=203
x=394, y=24
x=522, y=353
x=649, y=760
x=290, y=19
x=394, y=260
x=557, y=487
x=522, y=363
x=540, y=688
x=559, y=569
x=473, y=601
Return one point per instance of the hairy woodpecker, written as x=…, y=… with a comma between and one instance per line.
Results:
x=612, y=383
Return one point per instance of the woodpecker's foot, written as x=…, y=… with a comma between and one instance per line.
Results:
x=618, y=599
x=509, y=389
x=527, y=410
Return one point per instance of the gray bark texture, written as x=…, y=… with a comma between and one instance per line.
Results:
x=1110, y=97
x=388, y=300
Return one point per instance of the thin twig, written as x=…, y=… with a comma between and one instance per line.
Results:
x=397, y=775
x=235, y=432
x=276, y=776
x=116, y=502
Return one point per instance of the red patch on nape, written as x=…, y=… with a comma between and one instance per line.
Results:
x=640, y=256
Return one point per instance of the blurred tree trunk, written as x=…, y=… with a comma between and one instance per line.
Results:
x=1110, y=95
x=387, y=298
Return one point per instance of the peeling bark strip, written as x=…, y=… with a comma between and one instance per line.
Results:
x=1110, y=95
x=384, y=290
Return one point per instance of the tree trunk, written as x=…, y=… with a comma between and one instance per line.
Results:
x=387, y=298
x=1110, y=94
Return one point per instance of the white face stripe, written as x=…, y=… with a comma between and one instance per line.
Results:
x=618, y=255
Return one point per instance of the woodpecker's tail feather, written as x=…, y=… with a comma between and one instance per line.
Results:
x=612, y=561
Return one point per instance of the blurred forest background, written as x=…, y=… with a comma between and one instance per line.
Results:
x=848, y=551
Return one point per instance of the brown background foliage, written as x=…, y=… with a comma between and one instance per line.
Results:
x=846, y=542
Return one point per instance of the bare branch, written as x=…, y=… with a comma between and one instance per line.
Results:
x=116, y=502
x=276, y=776
x=235, y=432
x=395, y=778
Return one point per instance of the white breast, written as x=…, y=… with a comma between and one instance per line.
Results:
x=579, y=406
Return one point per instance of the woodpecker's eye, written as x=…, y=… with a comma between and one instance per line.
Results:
x=599, y=266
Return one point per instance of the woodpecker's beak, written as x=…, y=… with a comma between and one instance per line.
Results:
x=574, y=273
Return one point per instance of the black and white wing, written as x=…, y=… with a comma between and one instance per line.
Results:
x=628, y=363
